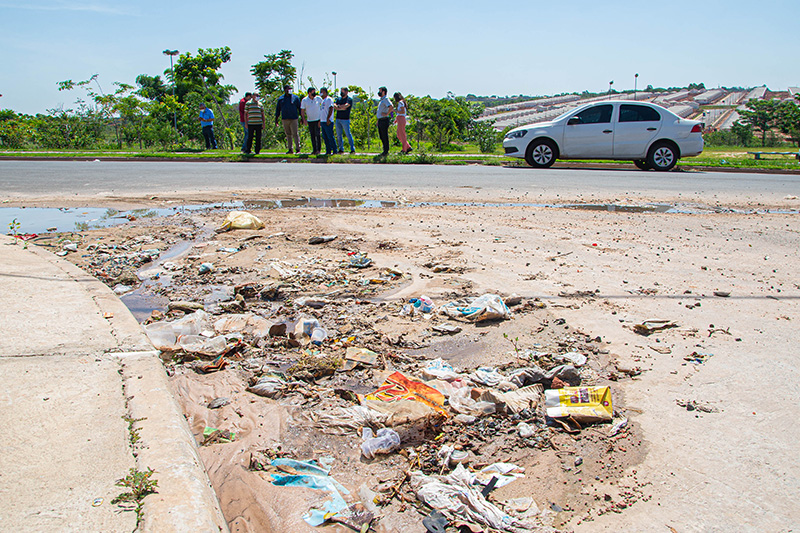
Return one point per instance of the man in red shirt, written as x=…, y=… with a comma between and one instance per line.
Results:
x=243, y=118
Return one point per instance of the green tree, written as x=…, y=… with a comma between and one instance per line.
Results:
x=761, y=115
x=198, y=79
x=274, y=72
x=743, y=133
x=788, y=120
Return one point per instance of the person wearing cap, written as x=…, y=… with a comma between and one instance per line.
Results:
x=384, y=113
x=326, y=122
x=312, y=112
x=343, y=106
x=242, y=118
x=288, y=110
x=206, y=117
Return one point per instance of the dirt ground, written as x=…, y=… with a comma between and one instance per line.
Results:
x=703, y=398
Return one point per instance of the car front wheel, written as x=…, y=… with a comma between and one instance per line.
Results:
x=641, y=164
x=662, y=156
x=541, y=154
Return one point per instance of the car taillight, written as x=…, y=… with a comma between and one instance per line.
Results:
x=698, y=128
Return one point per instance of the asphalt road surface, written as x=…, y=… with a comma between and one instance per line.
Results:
x=21, y=180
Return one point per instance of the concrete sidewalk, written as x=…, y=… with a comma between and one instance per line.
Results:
x=73, y=362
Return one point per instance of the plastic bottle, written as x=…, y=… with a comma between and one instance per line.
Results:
x=305, y=326
x=386, y=441
x=318, y=335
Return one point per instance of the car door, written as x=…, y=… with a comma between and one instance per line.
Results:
x=588, y=134
x=636, y=127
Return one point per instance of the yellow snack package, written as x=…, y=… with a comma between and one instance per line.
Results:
x=585, y=404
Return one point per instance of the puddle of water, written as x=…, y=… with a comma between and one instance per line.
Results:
x=646, y=208
x=43, y=219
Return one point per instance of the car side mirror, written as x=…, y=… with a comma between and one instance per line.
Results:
x=573, y=121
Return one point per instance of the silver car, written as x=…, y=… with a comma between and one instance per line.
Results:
x=647, y=134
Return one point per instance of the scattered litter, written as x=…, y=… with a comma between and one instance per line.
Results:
x=486, y=307
x=311, y=475
x=216, y=403
x=359, y=261
x=386, y=441
x=617, y=425
x=217, y=436
x=649, y=327
x=533, y=375
x=205, y=268
x=577, y=359
x=439, y=369
x=525, y=430
x=356, y=517
x=322, y=239
x=585, y=405
x=446, y=329
x=217, y=364
x=693, y=405
x=361, y=355
x=398, y=387
x=455, y=494
x=698, y=358
x=269, y=385
x=488, y=376
x=240, y=220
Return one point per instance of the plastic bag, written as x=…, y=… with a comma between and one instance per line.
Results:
x=461, y=401
x=439, y=369
x=586, y=405
x=240, y=220
x=164, y=335
x=486, y=307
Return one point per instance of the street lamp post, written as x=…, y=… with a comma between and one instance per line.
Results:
x=635, y=81
x=334, y=81
x=609, y=87
x=171, y=54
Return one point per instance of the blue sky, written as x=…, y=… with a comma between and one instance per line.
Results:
x=416, y=47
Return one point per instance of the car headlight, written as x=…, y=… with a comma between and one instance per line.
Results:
x=516, y=134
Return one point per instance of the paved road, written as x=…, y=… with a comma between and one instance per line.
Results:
x=26, y=179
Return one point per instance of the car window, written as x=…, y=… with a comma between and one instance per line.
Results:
x=595, y=115
x=638, y=113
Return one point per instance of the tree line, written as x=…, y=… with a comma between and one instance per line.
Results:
x=759, y=123
x=159, y=112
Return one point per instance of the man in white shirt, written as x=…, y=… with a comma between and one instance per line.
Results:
x=326, y=122
x=311, y=107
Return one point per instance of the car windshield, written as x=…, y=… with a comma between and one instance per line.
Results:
x=570, y=112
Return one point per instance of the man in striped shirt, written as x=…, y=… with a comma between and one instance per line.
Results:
x=255, y=123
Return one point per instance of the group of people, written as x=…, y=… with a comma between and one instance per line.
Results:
x=316, y=112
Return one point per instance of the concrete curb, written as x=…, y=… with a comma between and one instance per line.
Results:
x=185, y=500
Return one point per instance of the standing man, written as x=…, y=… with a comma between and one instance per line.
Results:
x=383, y=113
x=326, y=122
x=256, y=120
x=243, y=118
x=288, y=110
x=343, y=105
x=207, y=123
x=312, y=113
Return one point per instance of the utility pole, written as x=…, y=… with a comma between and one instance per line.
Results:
x=171, y=54
x=635, y=80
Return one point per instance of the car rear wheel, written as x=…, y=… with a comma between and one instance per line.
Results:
x=641, y=164
x=541, y=153
x=662, y=156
